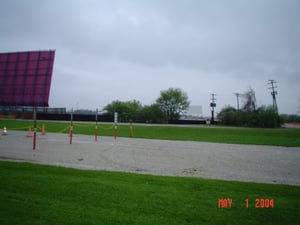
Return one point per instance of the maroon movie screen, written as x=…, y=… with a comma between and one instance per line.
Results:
x=25, y=78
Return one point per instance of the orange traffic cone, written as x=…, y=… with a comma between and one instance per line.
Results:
x=4, y=132
x=29, y=134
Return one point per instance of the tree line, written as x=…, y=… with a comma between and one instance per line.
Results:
x=250, y=115
x=168, y=106
x=173, y=102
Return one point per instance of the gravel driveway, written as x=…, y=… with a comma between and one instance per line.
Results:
x=264, y=164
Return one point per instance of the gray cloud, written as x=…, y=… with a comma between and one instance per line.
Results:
x=108, y=50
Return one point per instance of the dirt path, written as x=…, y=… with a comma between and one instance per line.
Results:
x=265, y=164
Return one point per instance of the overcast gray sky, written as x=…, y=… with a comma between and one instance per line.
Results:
x=133, y=49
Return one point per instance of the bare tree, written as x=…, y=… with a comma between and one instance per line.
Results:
x=249, y=101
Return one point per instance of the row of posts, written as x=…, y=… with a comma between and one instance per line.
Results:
x=71, y=127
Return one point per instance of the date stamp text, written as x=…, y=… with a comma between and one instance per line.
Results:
x=258, y=203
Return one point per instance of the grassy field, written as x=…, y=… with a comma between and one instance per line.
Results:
x=275, y=137
x=35, y=194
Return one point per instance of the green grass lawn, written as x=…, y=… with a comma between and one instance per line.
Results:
x=275, y=137
x=37, y=194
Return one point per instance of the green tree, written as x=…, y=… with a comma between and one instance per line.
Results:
x=228, y=116
x=127, y=111
x=172, y=102
x=152, y=114
x=290, y=118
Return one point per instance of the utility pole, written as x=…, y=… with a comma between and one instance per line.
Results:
x=212, y=105
x=299, y=106
x=273, y=93
x=238, y=100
